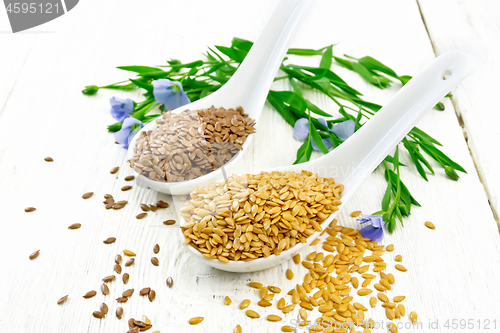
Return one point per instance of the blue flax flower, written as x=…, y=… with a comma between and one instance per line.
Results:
x=372, y=227
x=343, y=130
x=121, y=108
x=170, y=94
x=130, y=127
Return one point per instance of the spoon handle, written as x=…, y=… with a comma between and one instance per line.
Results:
x=248, y=87
x=353, y=161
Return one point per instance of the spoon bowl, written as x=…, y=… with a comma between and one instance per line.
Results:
x=248, y=88
x=354, y=160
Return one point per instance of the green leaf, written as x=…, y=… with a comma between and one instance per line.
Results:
x=440, y=156
x=386, y=200
x=424, y=136
x=234, y=54
x=404, y=79
x=115, y=127
x=388, y=158
x=242, y=44
x=313, y=108
x=344, y=63
x=326, y=59
x=305, y=52
x=375, y=65
x=414, y=158
x=277, y=102
x=140, y=69
x=295, y=86
x=174, y=62
x=317, y=138
x=304, y=152
x=141, y=84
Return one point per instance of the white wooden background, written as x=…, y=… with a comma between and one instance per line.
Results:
x=452, y=271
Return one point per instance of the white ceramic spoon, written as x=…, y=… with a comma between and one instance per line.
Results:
x=354, y=160
x=248, y=88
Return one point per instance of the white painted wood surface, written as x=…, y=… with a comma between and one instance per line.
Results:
x=452, y=271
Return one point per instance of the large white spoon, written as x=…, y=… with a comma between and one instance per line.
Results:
x=248, y=88
x=354, y=160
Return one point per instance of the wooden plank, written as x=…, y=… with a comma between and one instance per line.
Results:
x=473, y=27
x=446, y=278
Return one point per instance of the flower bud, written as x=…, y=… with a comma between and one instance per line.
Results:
x=90, y=90
x=451, y=172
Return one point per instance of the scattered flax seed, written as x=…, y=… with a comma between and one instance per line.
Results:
x=274, y=289
x=152, y=295
x=296, y=258
x=289, y=274
x=156, y=249
x=356, y=213
x=389, y=313
x=314, y=242
x=114, y=170
x=155, y=261
x=281, y=303
x=273, y=318
x=141, y=216
x=34, y=254
x=195, y=320
x=128, y=293
x=62, y=300
x=263, y=303
x=227, y=300
x=237, y=329
x=392, y=328
x=98, y=314
x=128, y=253
x=122, y=299
x=256, y=285
x=413, y=317
x=87, y=195
x=145, y=207
x=29, y=209
x=118, y=269
x=119, y=313
x=144, y=291
x=401, y=308
x=399, y=258
x=75, y=226
x=390, y=248
x=48, y=159
x=252, y=314
x=104, y=308
x=373, y=301
x=108, y=278
x=364, y=291
x=129, y=262
x=162, y=204
x=287, y=328
x=125, y=278
x=170, y=282
x=401, y=268
x=126, y=188
x=430, y=225
x=153, y=208
x=129, y=178
x=398, y=299
x=118, y=259
x=109, y=240
x=146, y=320
x=90, y=294
x=104, y=289
x=169, y=222
x=244, y=304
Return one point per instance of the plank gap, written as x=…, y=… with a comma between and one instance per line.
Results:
x=464, y=130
